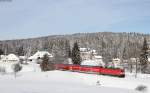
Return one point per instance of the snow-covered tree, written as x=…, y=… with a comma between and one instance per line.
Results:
x=144, y=57
x=16, y=68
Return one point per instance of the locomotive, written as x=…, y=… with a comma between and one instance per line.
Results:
x=91, y=69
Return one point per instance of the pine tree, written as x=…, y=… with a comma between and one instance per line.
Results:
x=144, y=57
x=45, y=62
x=76, y=59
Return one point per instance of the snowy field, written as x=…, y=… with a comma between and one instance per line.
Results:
x=31, y=80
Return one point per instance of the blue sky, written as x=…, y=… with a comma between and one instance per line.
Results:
x=33, y=18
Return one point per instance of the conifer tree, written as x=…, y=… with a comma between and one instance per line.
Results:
x=144, y=57
x=45, y=62
x=76, y=59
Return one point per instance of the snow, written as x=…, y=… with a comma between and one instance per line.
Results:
x=32, y=80
x=54, y=82
x=92, y=63
x=26, y=68
x=7, y=66
x=98, y=57
x=88, y=50
x=10, y=58
x=40, y=54
x=149, y=59
x=84, y=49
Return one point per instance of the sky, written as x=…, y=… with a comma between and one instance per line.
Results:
x=34, y=18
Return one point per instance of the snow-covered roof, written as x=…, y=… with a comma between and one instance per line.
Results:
x=11, y=57
x=133, y=58
x=84, y=49
x=98, y=57
x=40, y=54
x=22, y=57
x=88, y=50
x=92, y=63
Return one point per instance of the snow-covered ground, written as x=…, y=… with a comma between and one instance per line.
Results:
x=31, y=80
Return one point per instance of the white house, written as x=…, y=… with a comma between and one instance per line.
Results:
x=87, y=53
x=39, y=55
x=92, y=63
x=117, y=63
x=99, y=59
x=11, y=58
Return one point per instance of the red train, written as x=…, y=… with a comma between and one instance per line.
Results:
x=92, y=69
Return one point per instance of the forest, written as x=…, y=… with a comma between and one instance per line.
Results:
x=107, y=44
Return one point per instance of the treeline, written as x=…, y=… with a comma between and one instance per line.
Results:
x=109, y=45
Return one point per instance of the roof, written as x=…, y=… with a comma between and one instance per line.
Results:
x=88, y=50
x=92, y=63
x=40, y=54
x=98, y=57
x=11, y=57
x=84, y=49
x=22, y=57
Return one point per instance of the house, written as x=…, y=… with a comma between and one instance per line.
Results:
x=39, y=55
x=11, y=58
x=134, y=60
x=92, y=63
x=117, y=63
x=110, y=64
x=99, y=59
x=87, y=53
x=90, y=57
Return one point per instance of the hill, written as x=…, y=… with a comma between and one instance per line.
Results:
x=108, y=44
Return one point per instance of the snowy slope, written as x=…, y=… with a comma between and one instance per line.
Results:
x=67, y=82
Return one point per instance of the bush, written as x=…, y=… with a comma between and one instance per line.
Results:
x=141, y=88
x=16, y=68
